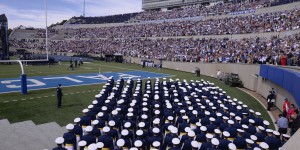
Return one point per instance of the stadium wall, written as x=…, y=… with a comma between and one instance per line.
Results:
x=249, y=74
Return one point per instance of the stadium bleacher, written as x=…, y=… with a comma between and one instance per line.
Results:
x=169, y=115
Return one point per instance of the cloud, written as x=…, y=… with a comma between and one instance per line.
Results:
x=59, y=10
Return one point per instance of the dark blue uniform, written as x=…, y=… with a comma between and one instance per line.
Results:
x=59, y=95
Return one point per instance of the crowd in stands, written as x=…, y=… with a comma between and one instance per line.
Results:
x=256, y=23
x=177, y=115
x=277, y=51
x=102, y=19
x=201, y=10
x=41, y=33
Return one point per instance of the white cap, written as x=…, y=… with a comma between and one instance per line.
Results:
x=170, y=118
x=124, y=132
x=209, y=136
x=82, y=143
x=142, y=124
x=215, y=141
x=144, y=116
x=138, y=143
x=240, y=130
x=156, y=144
x=76, y=120
x=286, y=136
x=100, y=145
x=251, y=121
x=217, y=131
x=269, y=130
x=191, y=134
x=114, y=112
x=226, y=133
x=95, y=122
x=261, y=128
x=85, y=110
x=195, y=144
x=106, y=129
x=225, y=117
x=111, y=123
x=120, y=142
x=230, y=122
x=212, y=119
x=92, y=147
x=245, y=126
x=88, y=128
x=249, y=141
x=231, y=146
x=155, y=130
x=258, y=114
x=70, y=127
x=276, y=133
x=175, y=141
x=127, y=124
x=203, y=128
x=174, y=130
x=59, y=140
x=95, y=102
x=264, y=145
x=90, y=106
x=187, y=129
x=139, y=132
x=100, y=114
x=266, y=122
x=253, y=137
x=238, y=118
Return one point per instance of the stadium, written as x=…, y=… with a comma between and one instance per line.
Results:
x=180, y=74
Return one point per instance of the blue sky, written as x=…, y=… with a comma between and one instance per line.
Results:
x=31, y=12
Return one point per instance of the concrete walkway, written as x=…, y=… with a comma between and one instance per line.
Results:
x=274, y=111
x=28, y=136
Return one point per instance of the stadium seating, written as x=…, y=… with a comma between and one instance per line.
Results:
x=197, y=113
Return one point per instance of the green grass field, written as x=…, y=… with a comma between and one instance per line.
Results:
x=40, y=106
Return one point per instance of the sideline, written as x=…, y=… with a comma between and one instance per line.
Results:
x=270, y=114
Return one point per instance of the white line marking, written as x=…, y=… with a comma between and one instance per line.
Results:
x=45, y=96
x=15, y=100
x=39, y=97
x=6, y=101
x=23, y=99
x=52, y=95
x=66, y=94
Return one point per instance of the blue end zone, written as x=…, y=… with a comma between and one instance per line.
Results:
x=8, y=85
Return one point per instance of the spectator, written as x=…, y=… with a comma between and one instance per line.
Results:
x=219, y=75
x=270, y=100
x=286, y=105
x=283, y=124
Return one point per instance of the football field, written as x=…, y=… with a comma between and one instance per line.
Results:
x=79, y=88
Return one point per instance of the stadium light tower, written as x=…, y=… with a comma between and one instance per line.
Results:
x=46, y=20
x=84, y=8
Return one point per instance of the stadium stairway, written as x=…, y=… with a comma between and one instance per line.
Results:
x=27, y=135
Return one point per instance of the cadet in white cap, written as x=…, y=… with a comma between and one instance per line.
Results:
x=77, y=129
x=89, y=137
x=59, y=141
x=70, y=138
x=82, y=145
